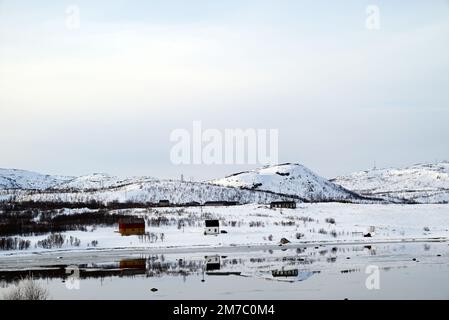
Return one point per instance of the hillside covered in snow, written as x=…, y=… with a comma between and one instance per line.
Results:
x=289, y=179
x=14, y=179
x=22, y=179
x=421, y=183
x=153, y=191
x=98, y=181
x=282, y=182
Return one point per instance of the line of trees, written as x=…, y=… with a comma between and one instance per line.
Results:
x=31, y=222
x=14, y=244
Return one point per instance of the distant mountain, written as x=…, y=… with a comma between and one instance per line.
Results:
x=289, y=179
x=22, y=179
x=421, y=183
x=29, y=180
x=99, y=181
x=22, y=185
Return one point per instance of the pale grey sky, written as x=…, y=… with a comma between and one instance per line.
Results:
x=104, y=97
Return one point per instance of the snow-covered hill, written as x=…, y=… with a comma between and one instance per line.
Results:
x=22, y=179
x=15, y=179
x=422, y=183
x=99, y=181
x=289, y=179
x=176, y=192
x=29, y=186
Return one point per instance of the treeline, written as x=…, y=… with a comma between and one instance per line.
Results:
x=13, y=205
x=14, y=244
x=33, y=222
x=56, y=205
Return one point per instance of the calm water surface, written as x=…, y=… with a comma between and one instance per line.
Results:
x=392, y=271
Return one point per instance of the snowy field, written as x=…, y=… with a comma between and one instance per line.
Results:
x=258, y=225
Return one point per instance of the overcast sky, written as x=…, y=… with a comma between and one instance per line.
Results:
x=105, y=97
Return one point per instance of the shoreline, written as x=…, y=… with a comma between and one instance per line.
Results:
x=77, y=256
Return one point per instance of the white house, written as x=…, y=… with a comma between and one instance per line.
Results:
x=212, y=227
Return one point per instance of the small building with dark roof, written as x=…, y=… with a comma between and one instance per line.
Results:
x=164, y=203
x=212, y=227
x=283, y=204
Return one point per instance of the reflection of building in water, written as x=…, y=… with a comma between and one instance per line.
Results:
x=132, y=267
x=133, y=264
x=292, y=275
x=212, y=263
x=131, y=226
x=285, y=273
x=212, y=227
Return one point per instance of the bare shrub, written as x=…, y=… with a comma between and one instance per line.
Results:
x=330, y=220
x=53, y=240
x=256, y=224
x=322, y=231
x=27, y=289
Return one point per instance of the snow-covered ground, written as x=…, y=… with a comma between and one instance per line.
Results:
x=422, y=183
x=258, y=225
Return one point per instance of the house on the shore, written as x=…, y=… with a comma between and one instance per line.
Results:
x=131, y=226
x=283, y=204
x=212, y=227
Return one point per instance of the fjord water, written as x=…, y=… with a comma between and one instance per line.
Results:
x=380, y=271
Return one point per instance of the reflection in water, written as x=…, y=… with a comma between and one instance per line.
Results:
x=291, y=275
x=139, y=264
x=212, y=263
x=290, y=266
x=285, y=273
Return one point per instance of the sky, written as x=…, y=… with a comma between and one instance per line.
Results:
x=99, y=86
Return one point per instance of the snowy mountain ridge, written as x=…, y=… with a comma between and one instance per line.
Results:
x=23, y=179
x=282, y=182
x=15, y=179
x=99, y=181
x=289, y=179
x=420, y=183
